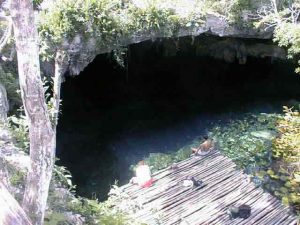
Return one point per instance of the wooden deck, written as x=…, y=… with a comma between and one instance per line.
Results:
x=169, y=202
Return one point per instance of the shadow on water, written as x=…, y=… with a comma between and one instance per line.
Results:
x=113, y=117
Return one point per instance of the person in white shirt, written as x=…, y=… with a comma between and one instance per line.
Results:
x=143, y=175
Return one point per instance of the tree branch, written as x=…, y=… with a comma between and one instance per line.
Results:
x=61, y=64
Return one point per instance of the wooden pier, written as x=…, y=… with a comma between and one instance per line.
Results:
x=169, y=202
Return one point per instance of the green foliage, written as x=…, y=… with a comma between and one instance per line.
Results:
x=11, y=84
x=17, y=123
x=55, y=218
x=247, y=141
x=115, y=211
x=109, y=22
x=232, y=9
x=286, y=147
x=287, y=153
x=154, y=18
x=18, y=126
x=236, y=9
x=285, y=21
x=36, y=3
x=17, y=178
x=63, y=177
x=48, y=92
x=158, y=161
x=64, y=19
x=119, y=55
x=288, y=35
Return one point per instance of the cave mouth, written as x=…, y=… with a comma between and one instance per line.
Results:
x=163, y=99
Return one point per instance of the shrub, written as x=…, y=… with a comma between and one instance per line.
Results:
x=114, y=211
x=18, y=126
x=286, y=151
x=11, y=84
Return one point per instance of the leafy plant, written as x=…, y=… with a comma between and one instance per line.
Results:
x=63, y=177
x=55, y=218
x=11, y=84
x=109, y=22
x=288, y=35
x=149, y=18
x=18, y=126
x=158, y=161
x=48, y=92
x=64, y=19
x=236, y=10
x=283, y=17
x=37, y=3
x=116, y=210
x=248, y=141
x=119, y=56
x=286, y=150
x=17, y=178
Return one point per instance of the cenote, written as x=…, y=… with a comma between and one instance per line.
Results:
x=169, y=93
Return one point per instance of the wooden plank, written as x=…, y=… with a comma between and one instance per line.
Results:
x=224, y=186
x=290, y=220
x=221, y=215
x=279, y=214
x=260, y=209
x=162, y=188
x=233, y=200
x=203, y=202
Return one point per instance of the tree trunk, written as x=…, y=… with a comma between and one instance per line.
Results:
x=11, y=212
x=41, y=132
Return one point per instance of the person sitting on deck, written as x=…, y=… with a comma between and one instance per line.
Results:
x=143, y=175
x=205, y=147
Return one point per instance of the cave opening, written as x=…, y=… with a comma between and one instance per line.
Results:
x=168, y=93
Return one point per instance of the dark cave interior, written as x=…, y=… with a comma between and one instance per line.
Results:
x=154, y=91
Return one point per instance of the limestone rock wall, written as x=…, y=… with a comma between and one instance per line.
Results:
x=82, y=48
x=82, y=51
